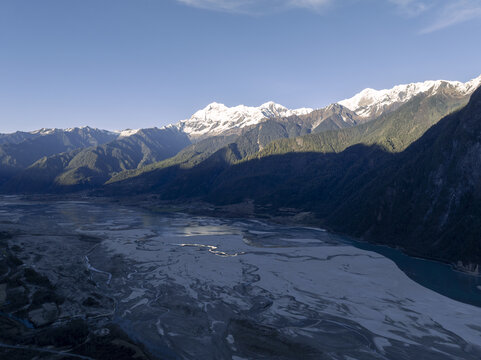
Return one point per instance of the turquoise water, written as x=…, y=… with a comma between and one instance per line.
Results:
x=434, y=275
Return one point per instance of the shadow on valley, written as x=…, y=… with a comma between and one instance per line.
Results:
x=309, y=181
x=425, y=199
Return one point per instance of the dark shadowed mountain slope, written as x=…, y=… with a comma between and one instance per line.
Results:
x=429, y=199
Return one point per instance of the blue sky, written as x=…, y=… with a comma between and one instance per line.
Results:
x=138, y=63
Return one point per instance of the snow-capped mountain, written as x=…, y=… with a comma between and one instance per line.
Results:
x=371, y=103
x=217, y=118
x=48, y=131
x=127, y=132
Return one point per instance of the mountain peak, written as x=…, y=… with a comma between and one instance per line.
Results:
x=214, y=106
x=128, y=132
x=217, y=118
x=370, y=103
x=272, y=104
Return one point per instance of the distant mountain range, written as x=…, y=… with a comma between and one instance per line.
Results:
x=94, y=165
x=21, y=149
x=380, y=165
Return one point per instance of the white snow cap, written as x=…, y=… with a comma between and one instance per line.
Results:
x=369, y=101
x=127, y=132
x=48, y=131
x=216, y=118
x=44, y=131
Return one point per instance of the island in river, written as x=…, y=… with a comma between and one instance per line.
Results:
x=92, y=279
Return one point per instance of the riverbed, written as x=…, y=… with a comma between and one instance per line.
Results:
x=194, y=287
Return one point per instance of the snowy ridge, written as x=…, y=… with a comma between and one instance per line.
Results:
x=217, y=118
x=44, y=131
x=370, y=103
x=48, y=131
x=127, y=132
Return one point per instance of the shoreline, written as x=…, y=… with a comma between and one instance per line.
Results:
x=244, y=210
x=159, y=214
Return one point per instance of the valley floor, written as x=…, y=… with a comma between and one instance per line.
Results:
x=189, y=286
